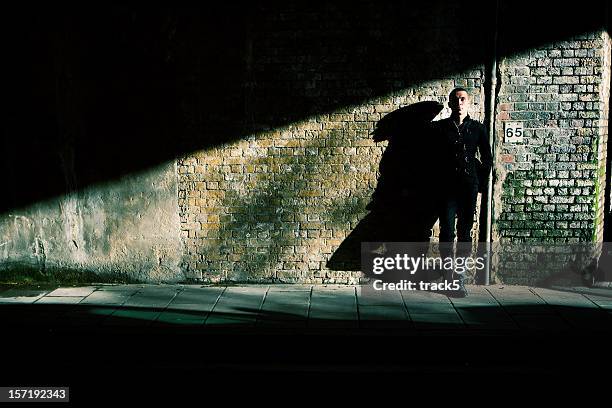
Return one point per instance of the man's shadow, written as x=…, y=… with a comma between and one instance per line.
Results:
x=404, y=204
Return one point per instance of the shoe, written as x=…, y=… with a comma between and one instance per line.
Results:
x=461, y=292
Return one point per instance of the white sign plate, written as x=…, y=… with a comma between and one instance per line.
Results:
x=513, y=132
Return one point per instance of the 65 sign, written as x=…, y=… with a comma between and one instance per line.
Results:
x=513, y=132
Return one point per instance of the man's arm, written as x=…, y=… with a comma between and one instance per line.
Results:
x=485, y=150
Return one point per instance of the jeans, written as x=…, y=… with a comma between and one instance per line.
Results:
x=460, y=202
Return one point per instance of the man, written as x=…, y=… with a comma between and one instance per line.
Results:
x=459, y=137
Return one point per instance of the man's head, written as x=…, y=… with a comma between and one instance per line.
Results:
x=459, y=102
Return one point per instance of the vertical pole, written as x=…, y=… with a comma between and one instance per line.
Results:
x=491, y=128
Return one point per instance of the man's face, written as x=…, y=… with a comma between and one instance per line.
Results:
x=459, y=103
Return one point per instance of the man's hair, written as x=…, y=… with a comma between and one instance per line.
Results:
x=454, y=91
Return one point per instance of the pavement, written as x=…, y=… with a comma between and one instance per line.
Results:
x=183, y=333
x=306, y=308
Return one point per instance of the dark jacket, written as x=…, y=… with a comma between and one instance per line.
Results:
x=458, y=146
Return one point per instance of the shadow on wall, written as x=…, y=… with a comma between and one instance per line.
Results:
x=90, y=96
x=404, y=204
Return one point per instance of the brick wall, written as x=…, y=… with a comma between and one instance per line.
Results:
x=233, y=142
x=550, y=187
x=276, y=204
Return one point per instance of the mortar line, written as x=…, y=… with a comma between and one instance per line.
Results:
x=457, y=312
x=309, y=306
x=260, y=309
x=176, y=292
x=555, y=309
x=593, y=302
x=214, y=305
x=502, y=307
x=406, y=308
x=357, y=307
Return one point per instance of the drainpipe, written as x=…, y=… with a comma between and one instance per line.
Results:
x=491, y=127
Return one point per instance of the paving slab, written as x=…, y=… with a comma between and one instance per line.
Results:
x=237, y=306
x=107, y=297
x=278, y=306
x=369, y=296
x=428, y=308
x=196, y=299
x=198, y=295
x=248, y=289
x=562, y=298
x=478, y=290
x=602, y=297
x=333, y=305
x=152, y=297
x=132, y=317
x=58, y=300
x=122, y=288
x=475, y=300
x=77, y=291
x=330, y=309
x=229, y=320
x=290, y=297
x=186, y=307
x=422, y=296
x=602, y=303
x=514, y=294
x=333, y=287
x=495, y=307
x=345, y=295
x=289, y=287
x=520, y=300
x=17, y=295
x=330, y=304
x=595, y=291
